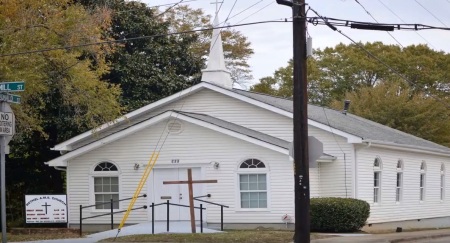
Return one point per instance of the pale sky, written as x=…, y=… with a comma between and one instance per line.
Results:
x=272, y=43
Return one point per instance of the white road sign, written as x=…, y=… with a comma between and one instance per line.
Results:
x=6, y=123
x=46, y=208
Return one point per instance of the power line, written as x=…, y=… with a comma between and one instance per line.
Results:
x=255, y=12
x=169, y=8
x=246, y=9
x=378, y=22
x=405, y=23
x=231, y=10
x=138, y=38
x=380, y=61
x=168, y=4
x=430, y=13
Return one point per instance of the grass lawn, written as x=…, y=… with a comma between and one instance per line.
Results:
x=33, y=237
x=249, y=236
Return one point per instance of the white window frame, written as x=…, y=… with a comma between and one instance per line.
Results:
x=442, y=181
x=422, y=181
x=399, y=182
x=248, y=171
x=95, y=174
x=377, y=170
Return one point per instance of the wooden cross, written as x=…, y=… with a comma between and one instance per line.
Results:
x=191, y=193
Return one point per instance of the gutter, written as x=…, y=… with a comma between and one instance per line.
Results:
x=409, y=148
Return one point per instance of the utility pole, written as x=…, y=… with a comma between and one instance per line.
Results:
x=300, y=106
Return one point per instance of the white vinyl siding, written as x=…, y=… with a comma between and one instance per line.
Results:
x=197, y=146
x=410, y=207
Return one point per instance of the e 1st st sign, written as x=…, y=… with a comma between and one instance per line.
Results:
x=6, y=123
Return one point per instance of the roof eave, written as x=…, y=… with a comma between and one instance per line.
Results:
x=410, y=148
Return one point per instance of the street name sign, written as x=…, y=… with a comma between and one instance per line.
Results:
x=12, y=86
x=6, y=123
x=10, y=98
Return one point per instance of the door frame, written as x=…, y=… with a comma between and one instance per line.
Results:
x=151, y=193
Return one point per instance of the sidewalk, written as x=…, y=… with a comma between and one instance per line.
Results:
x=388, y=238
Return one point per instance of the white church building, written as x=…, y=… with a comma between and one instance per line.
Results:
x=241, y=139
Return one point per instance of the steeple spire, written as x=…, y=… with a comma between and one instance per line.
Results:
x=216, y=72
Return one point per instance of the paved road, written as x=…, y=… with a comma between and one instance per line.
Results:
x=438, y=240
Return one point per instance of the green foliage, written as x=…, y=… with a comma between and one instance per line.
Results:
x=148, y=69
x=400, y=107
x=333, y=214
x=332, y=72
x=64, y=93
x=236, y=47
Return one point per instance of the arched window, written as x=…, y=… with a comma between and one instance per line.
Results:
x=399, y=187
x=423, y=172
x=442, y=182
x=377, y=166
x=106, y=185
x=253, y=184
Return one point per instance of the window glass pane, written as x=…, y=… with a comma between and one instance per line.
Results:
x=262, y=185
x=263, y=196
x=114, y=188
x=244, y=186
x=262, y=178
x=254, y=204
x=98, y=188
x=253, y=178
x=243, y=178
x=253, y=186
x=245, y=204
x=106, y=188
x=254, y=196
x=98, y=180
x=106, y=180
x=114, y=180
x=245, y=196
x=399, y=179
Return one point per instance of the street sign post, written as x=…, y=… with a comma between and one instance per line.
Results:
x=12, y=86
x=6, y=132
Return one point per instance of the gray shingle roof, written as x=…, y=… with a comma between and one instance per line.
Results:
x=355, y=125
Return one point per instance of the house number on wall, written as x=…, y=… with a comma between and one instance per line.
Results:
x=175, y=161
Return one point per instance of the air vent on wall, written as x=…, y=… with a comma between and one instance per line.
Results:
x=174, y=127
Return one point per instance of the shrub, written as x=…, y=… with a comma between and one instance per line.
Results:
x=333, y=214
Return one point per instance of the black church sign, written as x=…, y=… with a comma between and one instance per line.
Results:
x=45, y=209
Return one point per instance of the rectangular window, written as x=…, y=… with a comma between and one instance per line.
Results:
x=376, y=186
x=422, y=187
x=105, y=189
x=253, y=190
x=442, y=187
x=398, y=191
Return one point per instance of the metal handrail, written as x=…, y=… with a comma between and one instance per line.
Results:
x=120, y=200
x=217, y=204
x=112, y=212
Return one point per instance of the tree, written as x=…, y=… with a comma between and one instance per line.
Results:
x=345, y=68
x=398, y=106
x=236, y=47
x=64, y=93
x=150, y=68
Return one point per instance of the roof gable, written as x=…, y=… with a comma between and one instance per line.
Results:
x=206, y=121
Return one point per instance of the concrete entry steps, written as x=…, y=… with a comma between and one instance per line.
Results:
x=137, y=229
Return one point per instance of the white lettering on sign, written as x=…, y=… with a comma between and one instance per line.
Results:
x=6, y=123
x=46, y=208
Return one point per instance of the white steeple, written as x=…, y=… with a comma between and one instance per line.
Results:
x=216, y=72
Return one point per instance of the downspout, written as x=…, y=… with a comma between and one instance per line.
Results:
x=355, y=173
